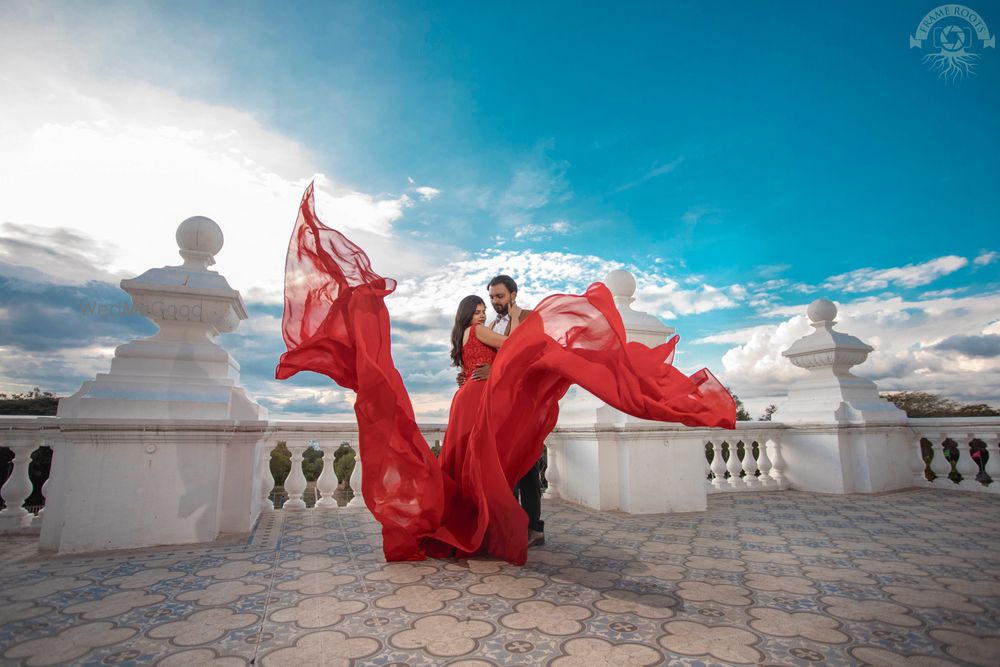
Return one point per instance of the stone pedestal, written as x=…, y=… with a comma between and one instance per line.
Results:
x=632, y=468
x=134, y=467
x=842, y=442
x=614, y=461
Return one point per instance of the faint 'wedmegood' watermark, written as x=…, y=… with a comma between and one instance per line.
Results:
x=954, y=37
x=156, y=310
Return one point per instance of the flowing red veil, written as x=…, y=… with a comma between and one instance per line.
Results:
x=335, y=323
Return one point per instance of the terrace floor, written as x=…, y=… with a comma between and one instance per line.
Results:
x=790, y=578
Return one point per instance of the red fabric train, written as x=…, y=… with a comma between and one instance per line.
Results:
x=336, y=323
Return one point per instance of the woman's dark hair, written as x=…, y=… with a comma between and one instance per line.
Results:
x=463, y=318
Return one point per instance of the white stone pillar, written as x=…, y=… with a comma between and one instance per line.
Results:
x=17, y=488
x=750, y=466
x=552, y=449
x=940, y=465
x=326, y=484
x=777, y=463
x=358, y=500
x=719, y=482
x=734, y=467
x=993, y=463
x=764, y=463
x=169, y=424
x=966, y=465
x=919, y=466
x=266, y=482
x=609, y=460
x=295, y=483
x=843, y=438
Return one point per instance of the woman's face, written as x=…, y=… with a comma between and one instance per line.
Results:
x=479, y=317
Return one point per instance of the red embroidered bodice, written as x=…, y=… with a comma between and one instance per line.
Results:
x=475, y=352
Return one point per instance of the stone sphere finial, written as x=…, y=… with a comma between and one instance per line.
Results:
x=199, y=240
x=822, y=310
x=621, y=283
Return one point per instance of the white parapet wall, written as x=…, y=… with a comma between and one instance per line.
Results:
x=135, y=483
x=634, y=468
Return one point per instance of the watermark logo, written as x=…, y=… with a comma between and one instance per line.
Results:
x=954, y=36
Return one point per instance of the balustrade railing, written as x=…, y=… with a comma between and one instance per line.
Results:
x=956, y=453
x=328, y=437
x=953, y=454
x=747, y=459
x=23, y=436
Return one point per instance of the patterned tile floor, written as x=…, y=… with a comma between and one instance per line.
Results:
x=791, y=578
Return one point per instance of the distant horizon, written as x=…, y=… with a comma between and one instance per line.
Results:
x=740, y=167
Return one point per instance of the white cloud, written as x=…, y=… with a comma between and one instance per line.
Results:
x=986, y=257
x=540, y=232
x=904, y=333
x=911, y=275
x=758, y=361
x=426, y=192
x=662, y=296
x=121, y=163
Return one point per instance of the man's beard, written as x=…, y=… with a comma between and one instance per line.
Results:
x=501, y=310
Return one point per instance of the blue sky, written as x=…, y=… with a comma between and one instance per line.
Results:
x=741, y=158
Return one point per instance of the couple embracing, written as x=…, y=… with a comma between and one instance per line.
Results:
x=474, y=347
x=336, y=323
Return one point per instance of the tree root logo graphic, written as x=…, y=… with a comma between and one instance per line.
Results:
x=954, y=36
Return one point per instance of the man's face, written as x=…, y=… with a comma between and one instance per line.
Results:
x=501, y=298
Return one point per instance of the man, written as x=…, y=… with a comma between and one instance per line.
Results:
x=503, y=297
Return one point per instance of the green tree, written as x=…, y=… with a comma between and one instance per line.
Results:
x=926, y=404
x=34, y=402
x=343, y=462
x=281, y=463
x=741, y=412
x=768, y=413
x=312, y=463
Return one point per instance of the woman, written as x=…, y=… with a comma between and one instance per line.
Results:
x=462, y=462
x=472, y=344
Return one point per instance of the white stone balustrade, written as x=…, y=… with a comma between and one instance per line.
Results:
x=23, y=436
x=328, y=437
x=962, y=436
x=761, y=466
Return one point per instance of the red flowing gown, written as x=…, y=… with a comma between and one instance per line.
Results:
x=335, y=322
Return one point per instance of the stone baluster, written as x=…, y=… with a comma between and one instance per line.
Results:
x=777, y=463
x=50, y=441
x=718, y=468
x=36, y=522
x=326, y=484
x=734, y=467
x=552, y=469
x=17, y=488
x=919, y=465
x=939, y=463
x=709, y=475
x=764, y=464
x=993, y=463
x=295, y=483
x=966, y=465
x=358, y=499
x=750, y=466
x=267, y=482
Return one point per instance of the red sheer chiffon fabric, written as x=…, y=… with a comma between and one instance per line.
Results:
x=335, y=322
